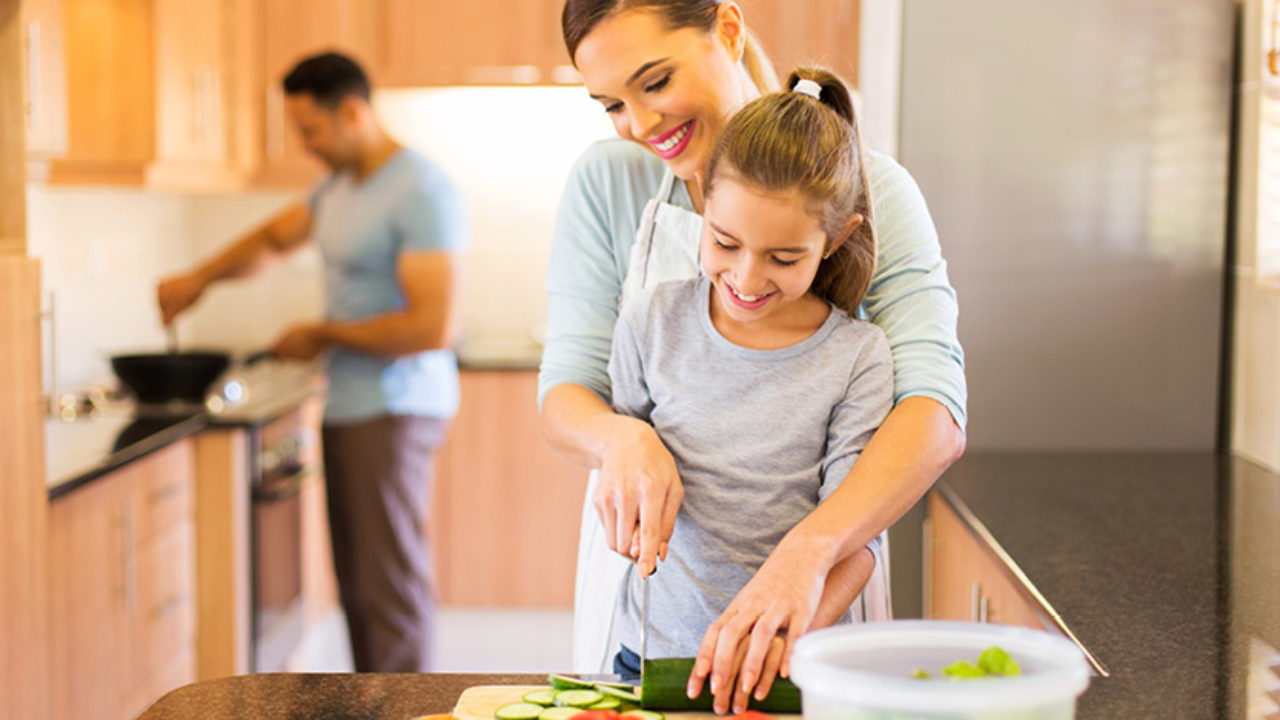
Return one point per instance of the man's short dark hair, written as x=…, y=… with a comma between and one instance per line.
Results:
x=329, y=78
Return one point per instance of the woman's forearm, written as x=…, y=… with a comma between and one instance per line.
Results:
x=577, y=423
x=914, y=445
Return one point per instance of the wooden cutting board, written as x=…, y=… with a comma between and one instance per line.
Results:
x=479, y=703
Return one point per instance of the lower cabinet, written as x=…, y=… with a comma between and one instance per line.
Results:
x=506, y=508
x=122, y=587
x=965, y=580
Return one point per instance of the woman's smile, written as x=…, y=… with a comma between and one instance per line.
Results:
x=673, y=142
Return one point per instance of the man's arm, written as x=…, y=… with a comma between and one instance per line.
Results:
x=245, y=257
x=430, y=282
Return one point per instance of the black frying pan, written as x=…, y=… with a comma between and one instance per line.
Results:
x=183, y=376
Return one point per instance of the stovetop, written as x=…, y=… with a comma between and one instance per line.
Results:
x=97, y=432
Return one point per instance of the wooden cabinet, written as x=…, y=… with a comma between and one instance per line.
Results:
x=45, y=78
x=506, y=508
x=966, y=580
x=110, y=72
x=292, y=30
x=482, y=42
x=813, y=32
x=122, y=587
x=24, y=666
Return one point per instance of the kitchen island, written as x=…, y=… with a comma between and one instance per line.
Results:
x=1155, y=561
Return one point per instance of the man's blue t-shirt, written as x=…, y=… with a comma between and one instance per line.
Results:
x=361, y=228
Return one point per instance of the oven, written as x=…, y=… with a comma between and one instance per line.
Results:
x=284, y=461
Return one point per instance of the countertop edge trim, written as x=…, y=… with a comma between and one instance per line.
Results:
x=983, y=535
x=176, y=433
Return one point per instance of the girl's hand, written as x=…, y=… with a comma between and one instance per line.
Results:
x=638, y=493
x=751, y=623
x=783, y=595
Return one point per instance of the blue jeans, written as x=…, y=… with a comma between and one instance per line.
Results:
x=626, y=663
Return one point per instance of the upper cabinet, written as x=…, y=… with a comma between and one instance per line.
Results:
x=813, y=32
x=186, y=94
x=289, y=31
x=110, y=76
x=45, y=78
x=480, y=42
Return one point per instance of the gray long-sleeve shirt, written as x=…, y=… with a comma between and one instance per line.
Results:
x=759, y=437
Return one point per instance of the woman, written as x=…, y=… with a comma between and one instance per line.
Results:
x=670, y=73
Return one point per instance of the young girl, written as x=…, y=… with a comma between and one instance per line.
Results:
x=757, y=376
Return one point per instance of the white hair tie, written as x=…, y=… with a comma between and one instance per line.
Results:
x=808, y=87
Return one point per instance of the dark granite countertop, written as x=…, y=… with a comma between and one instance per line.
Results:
x=1135, y=553
x=323, y=696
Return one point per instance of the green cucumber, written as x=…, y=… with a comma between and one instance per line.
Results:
x=544, y=697
x=578, y=698
x=620, y=694
x=608, y=702
x=615, y=685
x=559, y=713
x=561, y=682
x=643, y=715
x=518, y=711
x=665, y=681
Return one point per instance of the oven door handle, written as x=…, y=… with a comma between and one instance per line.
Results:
x=284, y=488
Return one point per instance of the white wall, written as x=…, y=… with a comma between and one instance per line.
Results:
x=509, y=151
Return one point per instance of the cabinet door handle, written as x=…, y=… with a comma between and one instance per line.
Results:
x=984, y=608
x=164, y=493
x=975, y=602
x=173, y=603
x=926, y=532
x=34, y=104
x=127, y=559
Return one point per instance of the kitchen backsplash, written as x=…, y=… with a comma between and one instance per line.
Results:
x=509, y=150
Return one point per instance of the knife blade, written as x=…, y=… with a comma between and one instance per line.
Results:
x=644, y=623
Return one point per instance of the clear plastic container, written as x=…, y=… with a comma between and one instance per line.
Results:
x=864, y=672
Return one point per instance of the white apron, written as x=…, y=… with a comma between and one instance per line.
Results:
x=666, y=248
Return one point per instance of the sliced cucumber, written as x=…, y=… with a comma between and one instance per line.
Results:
x=615, y=685
x=666, y=680
x=620, y=694
x=643, y=715
x=608, y=702
x=518, y=711
x=560, y=682
x=544, y=697
x=559, y=713
x=578, y=698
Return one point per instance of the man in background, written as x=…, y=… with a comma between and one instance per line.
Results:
x=390, y=227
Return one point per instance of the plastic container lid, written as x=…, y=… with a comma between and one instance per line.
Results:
x=869, y=666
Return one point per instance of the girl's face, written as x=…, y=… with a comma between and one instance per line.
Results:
x=761, y=251
x=671, y=91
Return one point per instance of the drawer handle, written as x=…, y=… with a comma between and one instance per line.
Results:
x=173, y=603
x=165, y=493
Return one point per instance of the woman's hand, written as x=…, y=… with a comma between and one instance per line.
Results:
x=638, y=493
x=744, y=649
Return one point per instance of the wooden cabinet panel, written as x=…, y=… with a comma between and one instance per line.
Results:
x=506, y=508
x=483, y=42
x=24, y=606
x=222, y=553
x=13, y=173
x=164, y=491
x=813, y=32
x=45, y=78
x=110, y=92
x=966, y=581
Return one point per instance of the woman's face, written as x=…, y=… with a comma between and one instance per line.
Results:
x=761, y=251
x=668, y=90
